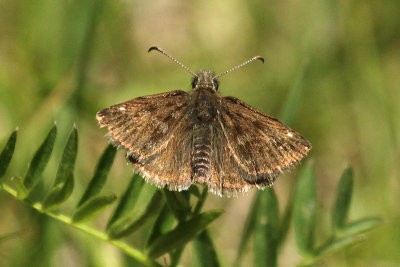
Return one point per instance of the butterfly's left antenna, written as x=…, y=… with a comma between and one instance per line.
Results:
x=173, y=59
x=241, y=65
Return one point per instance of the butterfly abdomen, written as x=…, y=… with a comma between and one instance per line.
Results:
x=201, y=152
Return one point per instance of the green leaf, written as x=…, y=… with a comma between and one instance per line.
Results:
x=267, y=230
x=100, y=175
x=293, y=99
x=305, y=209
x=194, y=190
x=182, y=233
x=336, y=245
x=7, y=153
x=204, y=249
x=92, y=207
x=343, y=198
x=248, y=228
x=22, y=192
x=200, y=202
x=163, y=224
x=39, y=161
x=64, y=182
x=286, y=218
x=360, y=226
x=178, y=204
x=129, y=223
x=128, y=199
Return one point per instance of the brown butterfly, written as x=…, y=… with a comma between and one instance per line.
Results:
x=179, y=138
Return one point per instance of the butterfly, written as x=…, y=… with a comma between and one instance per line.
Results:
x=179, y=138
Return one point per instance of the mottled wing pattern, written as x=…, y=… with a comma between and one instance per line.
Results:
x=225, y=177
x=148, y=128
x=253, y=146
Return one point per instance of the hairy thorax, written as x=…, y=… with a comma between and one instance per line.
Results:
x=205, y=104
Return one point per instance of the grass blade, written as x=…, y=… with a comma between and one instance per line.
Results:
x=182, y=233
x=267, y=230
x=343, y=198
x=163, y=224
x=248, y=228
x=204, y=249
x=129, y=224
x=293, y=99
x=92, y=207
x=64, y=182
x=100, y=175
x=7, y=153
x=40, y=159
x=305, y=209
x=128, y=200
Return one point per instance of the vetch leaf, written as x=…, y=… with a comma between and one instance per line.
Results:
x=360, y=226
x=204, y=249
x=129, y=224
x=343, y=198
x=163, y=224
x=40, y=159
x=100, y=175
x=267, y=230
x=182, y=233
x=92, y=207
x=7, y=153
x=305, y=209
x=248, y=228
x=64, y=182
x=128, y=199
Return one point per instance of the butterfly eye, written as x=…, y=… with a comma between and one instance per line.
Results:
x=194, y=82
x=215, y=84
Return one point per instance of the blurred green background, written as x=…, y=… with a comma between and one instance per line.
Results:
x=65, y=60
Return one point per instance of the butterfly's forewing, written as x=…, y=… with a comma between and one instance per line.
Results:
x=260, y=145
x=151, y=129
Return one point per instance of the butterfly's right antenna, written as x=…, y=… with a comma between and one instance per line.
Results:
x=173, y=59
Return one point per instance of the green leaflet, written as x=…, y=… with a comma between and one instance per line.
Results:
x=178, y=204
x=127, y=201
x=305, y=209
x=7, y=153
x=266, y=230
x=205, y=251
x=64, y=182
x=182, y=233
x=100, y=175
x=40, y=160
x=249, y=227
x=343, y=199
x=92, y=207
x=163, y=224
x=129, y=223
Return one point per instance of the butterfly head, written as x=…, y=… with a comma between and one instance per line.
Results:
x=205, y=79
